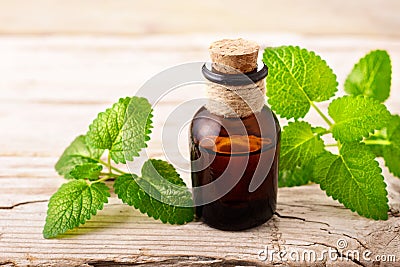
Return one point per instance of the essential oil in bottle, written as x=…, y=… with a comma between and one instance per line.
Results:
x=235, y=141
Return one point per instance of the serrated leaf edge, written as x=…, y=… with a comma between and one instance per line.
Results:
x=51, y=234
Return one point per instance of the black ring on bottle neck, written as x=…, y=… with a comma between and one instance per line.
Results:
x=235, y=79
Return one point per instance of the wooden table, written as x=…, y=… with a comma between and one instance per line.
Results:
x=51, y=87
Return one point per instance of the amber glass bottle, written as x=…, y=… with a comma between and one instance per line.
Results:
x=235, y=144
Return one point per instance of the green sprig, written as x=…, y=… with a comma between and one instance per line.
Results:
x=361, y=124
x=121, y=131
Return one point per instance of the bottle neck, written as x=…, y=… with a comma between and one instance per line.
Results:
x=235, y=101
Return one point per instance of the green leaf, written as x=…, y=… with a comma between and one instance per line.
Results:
x=296, y=78
x=123, y=129
x=379, y=135
x=162, y=170
x=296, y=176
x=376, y=149
x=319, y=130
x=391, y=153
x=73, y=204
x=77, y=153
x=89, y=171
x=299, y=145
x=354, y=179
x=153, y=192
x=371, y=76
x=356, y=117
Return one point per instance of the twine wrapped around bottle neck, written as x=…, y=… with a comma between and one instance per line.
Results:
x=233, y=56
x=235, y=101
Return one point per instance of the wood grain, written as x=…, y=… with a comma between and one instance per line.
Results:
x=133, y=17
x=50, y=90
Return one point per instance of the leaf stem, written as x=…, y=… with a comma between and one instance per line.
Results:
x=105, y=178
x=112, y=167
x=332, y=145
x=381, y=134
x=321, y=114
x=107, y=174
x=377, y=142
x=109, y=163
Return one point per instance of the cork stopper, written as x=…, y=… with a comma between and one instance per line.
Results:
x=234, y=55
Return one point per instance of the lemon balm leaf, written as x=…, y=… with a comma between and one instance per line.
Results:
x=319, y=130
x=161, y=169
x=299, y=145
x=354, y=179
x=296, y=78
x=151, y=195
x=296, y=176
x=123, y=129
x=371, y=76
x=73, y=204
x=77, y=153
x=391, y=152
x=356, y=117
x=90, y=171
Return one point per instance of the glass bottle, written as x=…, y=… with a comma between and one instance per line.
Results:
x=234, y=155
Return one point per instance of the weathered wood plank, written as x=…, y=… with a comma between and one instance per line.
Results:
x=51, y=88
x=120, y=233
x=126, y=17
